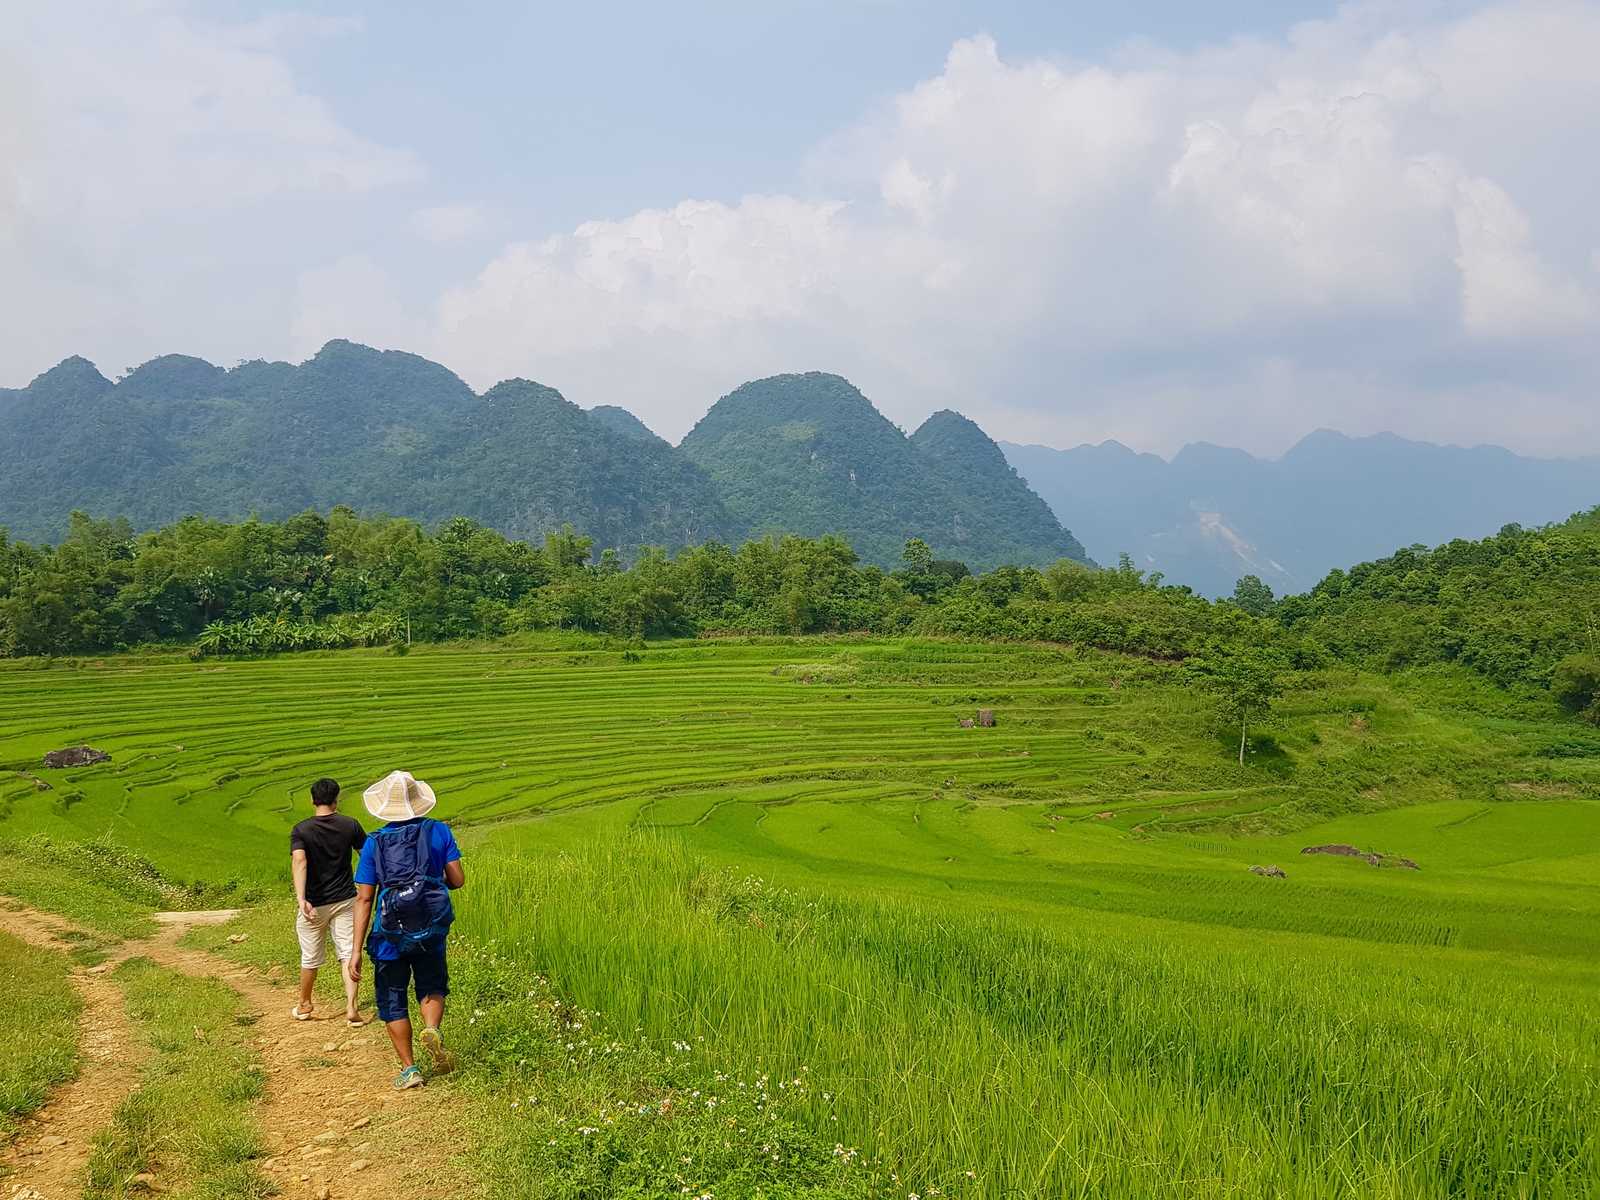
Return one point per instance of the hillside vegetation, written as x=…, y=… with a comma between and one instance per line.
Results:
x=809, y=455
x=388, y=432
x=1511, y=607
x=1518, y=609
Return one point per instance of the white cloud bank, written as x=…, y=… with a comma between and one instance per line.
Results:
x=159, y=176
x=1368, y=224
x=1383, y=220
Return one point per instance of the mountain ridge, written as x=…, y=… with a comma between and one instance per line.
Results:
x=1211, y=514
x=808, y=453
x=386, y=431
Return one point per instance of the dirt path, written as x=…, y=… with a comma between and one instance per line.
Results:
x=332, y=1124
x=49, y=1154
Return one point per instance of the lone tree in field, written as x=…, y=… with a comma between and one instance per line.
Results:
x=1244, y=679
x=1253, y=596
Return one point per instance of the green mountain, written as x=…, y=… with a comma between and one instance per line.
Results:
x=380, y=431
x=385, y=431
x=620, y=420
x=526, y=461
x=809, y=454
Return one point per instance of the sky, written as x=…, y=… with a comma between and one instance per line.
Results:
x=1157, y=221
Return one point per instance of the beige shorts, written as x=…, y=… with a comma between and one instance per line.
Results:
x=332, y=920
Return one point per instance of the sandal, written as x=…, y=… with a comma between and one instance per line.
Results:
x=301, y=1016
x=356, y=1022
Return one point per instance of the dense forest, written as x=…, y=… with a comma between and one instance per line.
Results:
x=388, y=432
x=1521, y=608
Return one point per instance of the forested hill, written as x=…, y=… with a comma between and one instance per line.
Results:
x=384, y=431
x=1213, y=513
x=809, y=454
x=1511, y=607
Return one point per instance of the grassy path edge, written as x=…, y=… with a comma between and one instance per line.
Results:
x=52, y=1146
x=321, y=1080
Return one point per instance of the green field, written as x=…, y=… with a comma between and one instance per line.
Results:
x=1026, y=960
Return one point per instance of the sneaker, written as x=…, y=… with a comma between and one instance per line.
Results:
x=409, y=1078
x=440, y=1060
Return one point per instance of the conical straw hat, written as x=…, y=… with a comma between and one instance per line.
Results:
x=399, y=797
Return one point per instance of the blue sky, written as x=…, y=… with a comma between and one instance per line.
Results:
x=1157, y=222
x=565, y=112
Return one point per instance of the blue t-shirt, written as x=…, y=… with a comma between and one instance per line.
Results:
x=442, y=849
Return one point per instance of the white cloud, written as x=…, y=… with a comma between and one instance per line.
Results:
x=1506, y=290
x=351, y=297
x=168, y=168
x=448, y=222
x=1241, y=242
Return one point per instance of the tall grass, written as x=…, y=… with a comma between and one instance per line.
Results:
x=1119, y=1058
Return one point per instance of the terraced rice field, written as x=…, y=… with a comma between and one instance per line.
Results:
x=830, y=762
x=1032, y=953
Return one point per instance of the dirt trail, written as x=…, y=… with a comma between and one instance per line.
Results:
x=49, y=1154
x=332, y=1124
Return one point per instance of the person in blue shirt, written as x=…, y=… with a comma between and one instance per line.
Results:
x=406, y=873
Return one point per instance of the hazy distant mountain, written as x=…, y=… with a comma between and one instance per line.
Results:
x=1213, y=514
x=392, y=432
x=809, y=454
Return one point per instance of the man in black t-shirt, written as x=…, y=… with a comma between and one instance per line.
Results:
x=325, y=893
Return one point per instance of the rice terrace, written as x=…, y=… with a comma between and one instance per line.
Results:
x=810, y=936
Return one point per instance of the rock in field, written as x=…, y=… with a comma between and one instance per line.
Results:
x=1272, y=872
x=76, y=756
x=1368, y=856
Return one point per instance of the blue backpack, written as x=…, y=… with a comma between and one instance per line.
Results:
x=413, y=903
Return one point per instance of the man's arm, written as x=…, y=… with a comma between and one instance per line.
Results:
x=454, y=876
x=297, y=863
x=364, y=894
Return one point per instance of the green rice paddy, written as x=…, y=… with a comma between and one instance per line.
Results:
x=1020, y=961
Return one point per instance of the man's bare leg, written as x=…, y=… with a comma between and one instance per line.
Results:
x=440, y=1060
x=352, y=1008
x=432, y=1011
x=400, y=1038
x=308, y=980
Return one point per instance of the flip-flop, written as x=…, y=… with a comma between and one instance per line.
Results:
x=356, y=1023
x=301, y=1016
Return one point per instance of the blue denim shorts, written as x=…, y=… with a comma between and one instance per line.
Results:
x=426, y=969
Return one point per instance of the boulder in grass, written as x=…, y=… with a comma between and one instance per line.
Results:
x=1272, y=872
x=76, y=756
x=986, y=718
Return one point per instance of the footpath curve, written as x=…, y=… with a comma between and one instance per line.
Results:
x=333, y=1127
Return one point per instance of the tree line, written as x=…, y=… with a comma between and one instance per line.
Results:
x=1522, y=608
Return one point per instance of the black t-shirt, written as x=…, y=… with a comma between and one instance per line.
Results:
x=328, y=842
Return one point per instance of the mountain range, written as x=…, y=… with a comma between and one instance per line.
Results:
x=385, y=431
x=1213, y=514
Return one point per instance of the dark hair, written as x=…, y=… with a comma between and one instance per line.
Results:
x=324, y=791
